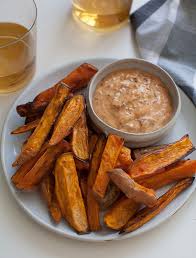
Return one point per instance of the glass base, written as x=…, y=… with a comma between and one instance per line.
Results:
x=100, y=22
x=21, y=81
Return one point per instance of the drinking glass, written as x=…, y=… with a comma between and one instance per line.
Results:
x=17, y=43
x=102, y=14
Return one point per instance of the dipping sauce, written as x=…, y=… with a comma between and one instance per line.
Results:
x=133, y=101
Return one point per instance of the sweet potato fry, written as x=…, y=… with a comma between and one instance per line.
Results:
x=68, y=193
x=137, y=153
x=93, y=211
x=80, y=77
x=43, y=166
x=109, y=158
x=47, y=188
x=68, y=117
x=81, y=166
x=48, y=191
x=26, y=128
x=92, y=142
x=36, y=140
x=27, y=166
x=120, y=212
x=79, y=141
x=181, y=170
x=39, y=104
x=124, y=159
x=77, y=79
x=146, y=214
x=23, y=109
x=42, y=100
x=132, y=189
x=152, y=163
x=93, y=208
x=55, y=210
x=112, y=194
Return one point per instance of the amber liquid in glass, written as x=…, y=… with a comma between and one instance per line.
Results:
x=17, y=57
x=102, y=14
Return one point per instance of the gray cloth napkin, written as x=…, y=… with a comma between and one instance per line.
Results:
x=165, y=32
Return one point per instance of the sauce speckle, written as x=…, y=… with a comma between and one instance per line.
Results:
x=133, y=101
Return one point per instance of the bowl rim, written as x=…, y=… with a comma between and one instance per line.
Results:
x=128, y=134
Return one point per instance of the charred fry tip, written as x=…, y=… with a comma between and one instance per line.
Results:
x=15, y=164
x=191, y=179
x=55, y=220
x=26, y=127
x=121, y=232
x=82, y=160
x=193, y=149
x=90, y=65
x=22, y=109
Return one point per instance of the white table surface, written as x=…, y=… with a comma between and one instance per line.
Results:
x=61, y=40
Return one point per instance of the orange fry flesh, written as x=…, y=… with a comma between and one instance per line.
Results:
x=47, y=188
x=68, y=193
x=146, y=214
x=93, y=208
x=55, y=210
x=79, y=142
x=27, y=166
x=93, y=211
x=109, y=158
x=38, y=137
x=68, y=117
x=48, y=191
x=96, y=159
x=124, y=159
x=43, y=166
x=181, y=170
x=120, y=212
x=152, y=163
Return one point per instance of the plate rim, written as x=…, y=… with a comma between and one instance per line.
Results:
x=34, y=217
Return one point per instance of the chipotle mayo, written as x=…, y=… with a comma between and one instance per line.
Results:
x=133, y=101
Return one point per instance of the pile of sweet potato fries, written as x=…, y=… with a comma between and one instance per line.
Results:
x=81, y=172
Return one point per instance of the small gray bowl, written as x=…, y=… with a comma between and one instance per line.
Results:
x=135, y=139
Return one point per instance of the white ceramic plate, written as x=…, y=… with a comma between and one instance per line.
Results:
x=32, y=203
